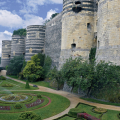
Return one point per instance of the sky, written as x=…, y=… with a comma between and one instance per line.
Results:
x=16, y=14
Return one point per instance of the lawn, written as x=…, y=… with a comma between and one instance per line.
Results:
x=58, y=104
x=40, y=83
x=16, y=85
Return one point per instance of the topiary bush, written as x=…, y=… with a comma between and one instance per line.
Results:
x=2, y=78
x=73, y=112
x=99, y=110
x=29, y=116
x=17, y=106
x=27, y=85
x=39, y=96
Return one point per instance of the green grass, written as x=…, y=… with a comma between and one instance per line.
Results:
x=40, y=83
x=58, y=104
x=101, y=102
x=67, y=118
x=87, y=109
x=16, y=85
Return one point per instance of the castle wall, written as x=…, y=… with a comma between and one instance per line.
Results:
x=53, y=39
x=6, y=51
x=34, y=41
x=17, y=45
x=77, y=30
x=108, y=43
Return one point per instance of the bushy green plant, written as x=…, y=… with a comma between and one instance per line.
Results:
x=39, y=96
x=27, y=85
x=15, y=66
x=2, y=78
x=17, y=106
x=57, y=75
x=29, y=116
x=32, y=70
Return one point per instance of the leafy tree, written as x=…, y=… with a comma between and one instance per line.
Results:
x=15, y=65
x=52, y=16
x=92, y=55
x=47, y=65
x=57, y=75
x=32, y=70
x=20, y=32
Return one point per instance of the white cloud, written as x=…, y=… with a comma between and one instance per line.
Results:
x=32, y=20
x=6, y=35
x=49, y=13
x=9, y=19
x=31, y=6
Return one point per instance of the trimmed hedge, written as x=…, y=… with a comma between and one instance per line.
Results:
x=74, y=111
x=2, y=78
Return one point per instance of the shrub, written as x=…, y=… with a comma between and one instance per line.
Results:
x=17, y=106
x=29, y=116
x=7, y=85
x=2, y=78
x=99, y=110
x=119, y=115
x=27, y=85
x=39, y=96
x=73, y=112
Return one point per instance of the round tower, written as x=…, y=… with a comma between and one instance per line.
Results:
x=108, y=38
x=77, y=29
x=34, y=41
x=17, y=45
x=6, y=51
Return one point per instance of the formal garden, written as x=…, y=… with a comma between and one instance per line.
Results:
x=100, y=83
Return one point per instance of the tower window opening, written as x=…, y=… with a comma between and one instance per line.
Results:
x=73, y=45
x=98, y=44
x=23, y=53
x=77, y=2
x=89, y=27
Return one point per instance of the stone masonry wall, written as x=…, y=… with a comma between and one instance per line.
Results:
x=53, y=39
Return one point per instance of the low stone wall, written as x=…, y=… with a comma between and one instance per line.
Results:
x=3, y=72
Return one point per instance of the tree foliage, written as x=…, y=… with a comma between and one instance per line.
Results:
x=20, y=32
x=52, y=16
x=57, y=75
x=33, y=71
x=15, y=65
x=90, y=77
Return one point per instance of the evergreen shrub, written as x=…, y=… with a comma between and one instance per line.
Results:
x=17, y=106
x=27, y=85
x=29, y=116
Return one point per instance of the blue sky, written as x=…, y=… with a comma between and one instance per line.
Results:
x=15, y=14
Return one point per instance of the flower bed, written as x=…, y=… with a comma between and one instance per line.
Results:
x=4, y=107
x=39, y=101
x=86, y=116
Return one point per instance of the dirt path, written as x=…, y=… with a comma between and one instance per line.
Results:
x=74, y=100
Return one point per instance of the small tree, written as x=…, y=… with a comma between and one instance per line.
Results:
x=57, y=75
x=27, y=85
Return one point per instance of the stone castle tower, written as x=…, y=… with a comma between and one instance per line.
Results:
x=77, y=29
x=108, y=26
x=81, y=25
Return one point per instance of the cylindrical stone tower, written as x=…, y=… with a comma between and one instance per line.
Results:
x=17, y=45
x=108, y=41
x=34, y=41
x=77, y=29
x=6, y=51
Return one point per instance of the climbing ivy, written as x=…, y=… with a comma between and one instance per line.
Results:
x=92, y=55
